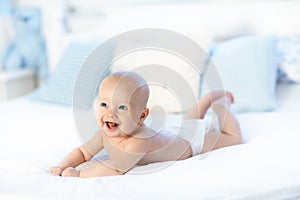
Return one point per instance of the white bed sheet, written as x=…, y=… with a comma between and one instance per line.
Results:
x=36, y=135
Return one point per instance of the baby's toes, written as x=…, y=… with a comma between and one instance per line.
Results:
x=230, y=96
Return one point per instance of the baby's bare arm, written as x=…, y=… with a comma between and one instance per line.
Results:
x=120, y=162
x=80, y=154
x=99, y=169
x=72, y=159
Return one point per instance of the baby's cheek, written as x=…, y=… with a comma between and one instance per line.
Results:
x=98, y=119
x=129, y=119
x=129, y=125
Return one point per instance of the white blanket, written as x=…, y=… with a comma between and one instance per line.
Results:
x=36, y=135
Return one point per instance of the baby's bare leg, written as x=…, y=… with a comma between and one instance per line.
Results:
x=230, y=128
x=199, y=110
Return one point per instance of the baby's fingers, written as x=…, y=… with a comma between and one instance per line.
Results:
x=55, y=170
x=70, y=171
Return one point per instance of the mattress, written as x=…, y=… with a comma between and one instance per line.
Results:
x=36, y=135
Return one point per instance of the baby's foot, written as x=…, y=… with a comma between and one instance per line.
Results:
x=222, y=102
x=208, y=99
x=225, y=100
x=216, y=95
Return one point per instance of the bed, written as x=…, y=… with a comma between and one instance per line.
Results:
x=37, y=130
x=36, y=135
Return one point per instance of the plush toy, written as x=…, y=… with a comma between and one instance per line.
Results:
x=27, y=48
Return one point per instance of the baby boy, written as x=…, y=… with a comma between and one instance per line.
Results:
x=121, y=111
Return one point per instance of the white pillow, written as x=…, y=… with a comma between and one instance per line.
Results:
x=162, y=92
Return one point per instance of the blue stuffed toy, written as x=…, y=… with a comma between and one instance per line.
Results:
x=27, y=48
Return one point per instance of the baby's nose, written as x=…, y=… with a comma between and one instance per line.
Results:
x=111, y=112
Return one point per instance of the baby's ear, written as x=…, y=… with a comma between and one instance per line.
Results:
x=144, y=114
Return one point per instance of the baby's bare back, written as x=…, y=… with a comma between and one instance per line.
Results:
x=167, y=147
x=157, y=147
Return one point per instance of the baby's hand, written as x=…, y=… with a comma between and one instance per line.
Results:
x=56, y=170
x=70, y=171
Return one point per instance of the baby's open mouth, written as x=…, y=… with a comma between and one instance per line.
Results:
x=111, y=125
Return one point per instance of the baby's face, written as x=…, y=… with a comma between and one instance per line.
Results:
x=119, y=110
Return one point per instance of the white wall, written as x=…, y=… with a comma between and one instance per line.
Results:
x=201, y=20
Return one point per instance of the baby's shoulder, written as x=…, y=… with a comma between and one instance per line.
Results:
x=141, y=141
x=137, y=145
x=145, y=133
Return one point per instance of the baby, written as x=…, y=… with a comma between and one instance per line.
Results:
x=121, y=111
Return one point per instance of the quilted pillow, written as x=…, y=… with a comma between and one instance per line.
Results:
x=59, y=87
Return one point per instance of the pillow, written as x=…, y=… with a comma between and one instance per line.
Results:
x=59, y=87
x=170, y=75
x=289, y=66
x=247, y=67
x=160, y=91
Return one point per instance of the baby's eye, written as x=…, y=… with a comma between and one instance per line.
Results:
x=122, y=107
x=104, y=105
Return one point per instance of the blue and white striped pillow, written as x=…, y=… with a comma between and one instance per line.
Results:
x=60, y=86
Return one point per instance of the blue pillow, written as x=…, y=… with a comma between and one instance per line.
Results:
x=247, y=67
x=59, y=87
x=289, y=66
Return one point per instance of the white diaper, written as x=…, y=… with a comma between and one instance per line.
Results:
x=193, y=131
